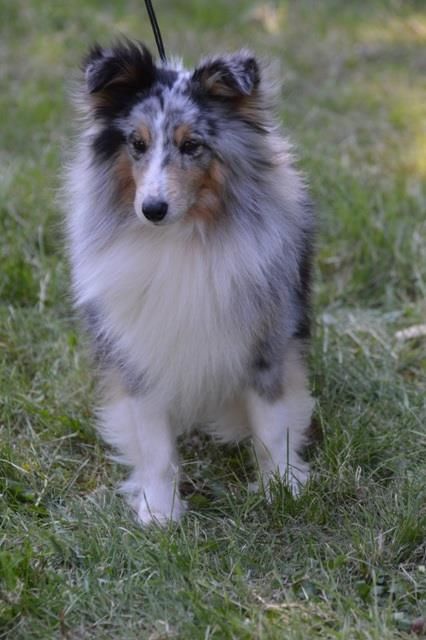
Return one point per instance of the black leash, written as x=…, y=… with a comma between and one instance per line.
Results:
x=156, y=30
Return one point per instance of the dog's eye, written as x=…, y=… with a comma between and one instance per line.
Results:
x=190, y=147
x=138, y=145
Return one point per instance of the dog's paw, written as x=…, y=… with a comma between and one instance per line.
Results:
x=153, y=502
x=293, y=477
x=147, y=513
x=296, y=476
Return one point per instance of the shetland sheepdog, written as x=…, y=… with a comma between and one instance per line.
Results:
x=190, y=236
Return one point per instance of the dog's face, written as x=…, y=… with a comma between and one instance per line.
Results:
x=172, y=164
x=168, y=135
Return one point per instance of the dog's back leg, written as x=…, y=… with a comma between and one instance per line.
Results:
x=279, y=422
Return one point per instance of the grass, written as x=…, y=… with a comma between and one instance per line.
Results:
x=346, y=560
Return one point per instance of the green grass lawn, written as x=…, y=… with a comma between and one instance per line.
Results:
x=346, y=560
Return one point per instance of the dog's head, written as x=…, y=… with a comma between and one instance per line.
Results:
x=172, y=137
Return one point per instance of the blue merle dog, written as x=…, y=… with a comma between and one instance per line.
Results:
x=190, y=235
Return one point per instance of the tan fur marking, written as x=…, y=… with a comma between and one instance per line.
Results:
x=100, y=99
x=215, y=85
x=144, y=133
x=208, y=206
x=181, y=133
x=128, y=76
x=125, y=179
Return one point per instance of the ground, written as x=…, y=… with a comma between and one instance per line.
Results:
x=346, y=560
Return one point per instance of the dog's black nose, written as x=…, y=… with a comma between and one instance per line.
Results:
x=154, y=210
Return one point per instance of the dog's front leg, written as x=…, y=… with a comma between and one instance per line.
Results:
x=141, y=431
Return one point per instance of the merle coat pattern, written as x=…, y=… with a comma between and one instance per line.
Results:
x=190, y=236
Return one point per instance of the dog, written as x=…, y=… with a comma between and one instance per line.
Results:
x=190, y=236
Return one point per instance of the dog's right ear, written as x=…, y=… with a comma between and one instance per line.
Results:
x=113, y=75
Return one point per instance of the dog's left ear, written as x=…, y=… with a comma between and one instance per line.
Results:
x=233, y=76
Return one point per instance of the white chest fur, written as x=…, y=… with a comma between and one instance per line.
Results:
x=173, y=305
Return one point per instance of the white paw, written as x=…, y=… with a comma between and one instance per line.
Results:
x=296, y=476
x=293, y=476
x=151, y=512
